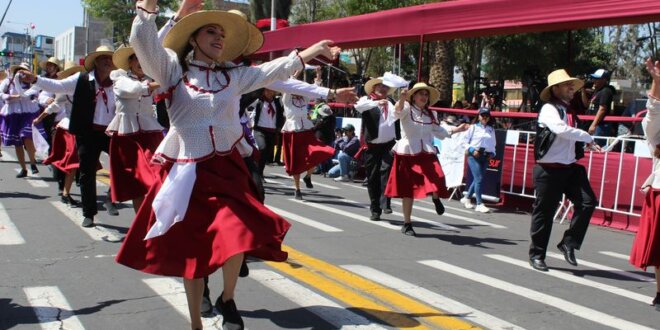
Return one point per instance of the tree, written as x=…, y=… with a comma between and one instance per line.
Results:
x=469, y=53
x=260, y=9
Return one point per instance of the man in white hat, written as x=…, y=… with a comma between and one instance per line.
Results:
x=93, y=109
x=557, y=148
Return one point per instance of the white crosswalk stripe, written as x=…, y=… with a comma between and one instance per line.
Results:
x=615, y=255
x=304, y=220
x=326, y=309
x=617, y=271
x=52, y=308
x=559, y=303
x=97, y=233
x=433, y=299
x=327, y=186
x=7, y=157
x=456, y=216
x=173, y=292
x=34, y=180
x=9, y=234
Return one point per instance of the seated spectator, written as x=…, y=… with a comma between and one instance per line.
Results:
x=348, y=145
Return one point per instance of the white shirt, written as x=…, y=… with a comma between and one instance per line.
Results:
x=24, y=104
x=62, y=107
x=562, y=150
x=651, y=126
x=479, y=136
x=266, y=120
x=295, y=99
x=134, y=105
x=386, y=131
x=417, y=131
x=104, y=110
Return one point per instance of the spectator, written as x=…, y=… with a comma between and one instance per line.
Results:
x=480, y=147
x=600, y=105
x=347, y=145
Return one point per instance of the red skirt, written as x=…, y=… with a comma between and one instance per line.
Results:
x=63, y=153
x=131, y=171
x=302, y=151
x=224, y=218
x=416, y=176
x=646, y=246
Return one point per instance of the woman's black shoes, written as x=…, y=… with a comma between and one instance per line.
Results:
x=439, y=208
x=231, y=319
x=407, y=229
x=308, y=181
x=22, y=174
x=34, y=169
x=70, y=201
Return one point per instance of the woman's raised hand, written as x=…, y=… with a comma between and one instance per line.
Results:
x=148, y=5
x=322, y=48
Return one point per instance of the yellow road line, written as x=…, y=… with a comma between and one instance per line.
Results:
x=366, y=295
x=103, y=176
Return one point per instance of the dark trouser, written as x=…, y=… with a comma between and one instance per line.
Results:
x=550, y=183
x=89, y=147
x=266, y=143
x=378, y=163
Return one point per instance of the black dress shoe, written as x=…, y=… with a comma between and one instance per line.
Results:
x=308, y=181
x=407, y=229
x=21, y=174
x=375, y=216
x=207, y=307
x=34, y=169
x=297, y=195
x=656, y=302
x=245, y=271
x=231, y=319
x=111, y=208
x=538, y=264
x=439, y=208
x=88, y=222
x=569, y=253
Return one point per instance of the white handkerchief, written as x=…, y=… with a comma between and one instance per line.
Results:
x=171, y=202
x=393, y=80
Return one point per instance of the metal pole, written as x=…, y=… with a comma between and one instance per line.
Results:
x=272, y=15
x=419, y=58
x=5, y=14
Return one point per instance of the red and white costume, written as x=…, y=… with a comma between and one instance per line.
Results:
x=63, y=153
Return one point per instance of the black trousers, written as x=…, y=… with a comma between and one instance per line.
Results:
x=89, y=147
x=550, y=183
x=378, y=163
x=266, y=143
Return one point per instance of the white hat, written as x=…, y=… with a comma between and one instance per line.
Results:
x=369, y=86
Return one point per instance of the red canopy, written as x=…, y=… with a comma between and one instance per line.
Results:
x=462, y=19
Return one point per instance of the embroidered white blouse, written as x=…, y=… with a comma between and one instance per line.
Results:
x=417, y=131
x=62, y=107
x=296, y=96
x=26, y=103
x=651, y=125
x=134, y=105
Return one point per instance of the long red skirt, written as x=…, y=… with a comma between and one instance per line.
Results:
x=224, y=218
x=646, y=246
x=302, y=151
x=416, y=176
x=131, y=169
x=63, y=153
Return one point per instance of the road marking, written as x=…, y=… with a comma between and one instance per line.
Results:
x=432, y=298
x=103, y=176
x=561, y=304
x=365, y=295
x=455, y=216
x=97, y=233
x=617, y=271
x=7, y=157
x=615, y=255
x=325, y=308
x=315, y=183
x=34, y=180
x=173, y=292
x=52, y=309
x=9, y=234
x=574, y=279
x=305, y=221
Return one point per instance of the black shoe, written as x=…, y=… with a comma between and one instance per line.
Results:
x=439, y=208
x=21, y=174
x=245, y=271
x=34, y=169
x=407, y=229
x=538, y=264
x=387, y=210
x=111, y=208
x=569, y=253
x=231, y=319
x=297, y=195
x=207, y=307
x=308, y=181
x=70, y=201
x=375, y=216
x=656, y=302
x=88, y=222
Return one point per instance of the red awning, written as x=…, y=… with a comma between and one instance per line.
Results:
x=463, y=19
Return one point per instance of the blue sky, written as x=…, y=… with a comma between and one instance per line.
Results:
x=51, y=17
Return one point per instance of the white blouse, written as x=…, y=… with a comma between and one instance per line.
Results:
x=26, y=103
x=295, y=99
x=479, y=136
x=134, y=111
x=651, y=125
x=417, y=131
x=62, y=107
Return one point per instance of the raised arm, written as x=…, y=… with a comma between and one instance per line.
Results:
x=64, y=86
x=127, y=88
x=651, y=123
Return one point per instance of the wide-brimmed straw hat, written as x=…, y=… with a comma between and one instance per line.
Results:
x=52, y=60
x=3, y=74
x=557, y=77
x=16, y=67
x=91, y=57
x=256, y=36
x=235, y=27
x=121, y=55
x=434, y=94
x=70, y=68
x=369, y=86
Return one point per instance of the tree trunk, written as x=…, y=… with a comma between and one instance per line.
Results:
x=441, y=73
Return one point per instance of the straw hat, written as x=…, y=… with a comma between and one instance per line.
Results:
x=121, y=55
x=256, y=36
x=237, y=35
x=557, y=77
x=3, y=75
x=91, y=57
x=69, y=69
x=324, y=111
x=52, y=60
x=434, y=94
x=22, y=66
x=369, y=86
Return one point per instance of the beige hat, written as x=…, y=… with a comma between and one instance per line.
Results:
x=557, y=77
x=256, y=36
x=69, y=69
x=121, y=55
x=237, y=35
x=52, y=60
x=22, y=66
x=91, y=57
x=3, y=74
x=434, y=94
x=369, y=86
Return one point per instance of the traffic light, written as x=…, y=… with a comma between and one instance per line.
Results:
x=8, y=54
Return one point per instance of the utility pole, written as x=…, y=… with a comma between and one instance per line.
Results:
x=5, y=14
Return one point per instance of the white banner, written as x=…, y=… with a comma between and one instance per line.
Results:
x=452, y=159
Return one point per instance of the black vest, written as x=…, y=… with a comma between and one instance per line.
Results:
x=371, y=123
x=279, y=113
x=84, y=103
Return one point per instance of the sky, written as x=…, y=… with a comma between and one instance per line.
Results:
x=51, y=17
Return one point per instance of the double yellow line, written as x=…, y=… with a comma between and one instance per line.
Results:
x=368, y=297
x=103, y=176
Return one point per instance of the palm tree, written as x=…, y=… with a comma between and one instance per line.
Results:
x=441, y=72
